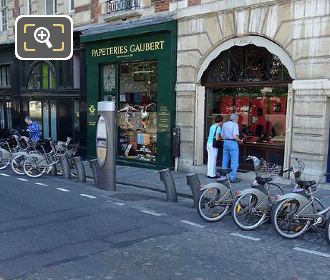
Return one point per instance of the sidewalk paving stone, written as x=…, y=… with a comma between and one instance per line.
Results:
x=150, y=179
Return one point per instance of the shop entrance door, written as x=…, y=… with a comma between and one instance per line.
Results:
x=45, y=113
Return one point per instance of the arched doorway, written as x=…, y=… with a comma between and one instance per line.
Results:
x=253, y=82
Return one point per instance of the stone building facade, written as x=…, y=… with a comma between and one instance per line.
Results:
x=297, y=31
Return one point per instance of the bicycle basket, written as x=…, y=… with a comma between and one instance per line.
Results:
x=270, y=169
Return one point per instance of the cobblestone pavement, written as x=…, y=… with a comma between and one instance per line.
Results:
x=51, y=228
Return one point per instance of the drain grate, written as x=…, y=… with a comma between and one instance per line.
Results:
x=131, y=196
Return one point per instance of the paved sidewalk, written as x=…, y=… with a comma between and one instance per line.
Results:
x=148, y=178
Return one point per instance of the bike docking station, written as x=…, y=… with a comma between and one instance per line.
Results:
x=105, y=171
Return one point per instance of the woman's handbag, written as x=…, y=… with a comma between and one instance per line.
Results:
x=215, y=144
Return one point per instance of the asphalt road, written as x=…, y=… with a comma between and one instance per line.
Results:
x=51, y=228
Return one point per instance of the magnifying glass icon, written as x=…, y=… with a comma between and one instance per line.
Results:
x=41, y=35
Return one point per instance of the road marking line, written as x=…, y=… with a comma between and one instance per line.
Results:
x=192, y=224
x=117, y=203
x=62, y=190
x=4, y=174
x=87, y=195
x=22, y=179
x=152, y=213
x=311, y=252
x=42, y=184
x=245, y=236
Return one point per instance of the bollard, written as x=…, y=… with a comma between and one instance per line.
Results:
x=167, y=179
x=65, y=166
x=54, y=168
x=81, y=174
x=93, y=164
x=195, y=186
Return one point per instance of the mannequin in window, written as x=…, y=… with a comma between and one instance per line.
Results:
x=145, y=115
x=128, y=114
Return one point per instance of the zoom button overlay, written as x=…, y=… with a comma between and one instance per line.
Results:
x=43, y=37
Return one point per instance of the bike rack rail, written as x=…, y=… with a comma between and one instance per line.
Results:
x=65, y=166
x=80, y=169
x=195, y=185
x=167, y=178
x=93, y=165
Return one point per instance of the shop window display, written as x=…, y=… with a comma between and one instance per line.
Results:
x=262, y=112
x=137, y=114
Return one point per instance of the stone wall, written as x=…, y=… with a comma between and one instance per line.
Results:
x=301, y=28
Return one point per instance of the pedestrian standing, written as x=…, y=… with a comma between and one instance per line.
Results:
x=212, y=152
x=230, y=134
x=33, y=129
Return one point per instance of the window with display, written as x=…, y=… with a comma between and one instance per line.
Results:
x=262, y=112
x=137, y=115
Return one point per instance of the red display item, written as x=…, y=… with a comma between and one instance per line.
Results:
x=259, y=106
x=277, y=105
x=226, y=105
x=242, y=106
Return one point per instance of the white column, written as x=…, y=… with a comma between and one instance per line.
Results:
x=199, y=125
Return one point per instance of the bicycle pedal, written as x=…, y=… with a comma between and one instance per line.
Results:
x=318, y=221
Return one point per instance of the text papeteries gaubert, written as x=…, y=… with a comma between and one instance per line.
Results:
x=125, y=49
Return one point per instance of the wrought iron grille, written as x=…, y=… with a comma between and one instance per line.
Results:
x=121, y=5
x=246, y=64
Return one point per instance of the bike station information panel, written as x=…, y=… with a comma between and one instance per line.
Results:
x=105, y=145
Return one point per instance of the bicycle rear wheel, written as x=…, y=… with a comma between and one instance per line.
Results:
x=35, y=167
x=17, y=164
x=285, y=224
x=210, y=206
x=246, y=212
x=5, y=157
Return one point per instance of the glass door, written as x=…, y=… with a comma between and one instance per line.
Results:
x=45, y=113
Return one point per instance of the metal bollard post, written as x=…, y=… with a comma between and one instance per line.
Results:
x=167, y=179
x=93, y=164
x=65, y=166
x=195, y=185
x=80, y=169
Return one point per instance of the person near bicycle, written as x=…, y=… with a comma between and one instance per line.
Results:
x=212, y=152
x=230, y=134
x=33, y=129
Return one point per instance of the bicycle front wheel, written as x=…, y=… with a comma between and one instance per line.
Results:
x=211, y=207
x=246, y=212
x=327, y=230
x=285, y=222
x=5, y=157
x=17, y=164
x=35, y=167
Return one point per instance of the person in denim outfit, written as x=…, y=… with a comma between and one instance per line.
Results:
x=230, y=134
x=33, y=129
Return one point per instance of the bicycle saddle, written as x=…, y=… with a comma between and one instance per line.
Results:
x=224, y=171
x=262, y=181
x=305, y=184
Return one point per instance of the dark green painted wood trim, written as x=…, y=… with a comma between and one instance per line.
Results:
x=166, y=96
x=160, y=27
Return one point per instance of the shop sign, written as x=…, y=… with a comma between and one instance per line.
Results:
x=163, y=119
x=91, y=113
x=128, y=50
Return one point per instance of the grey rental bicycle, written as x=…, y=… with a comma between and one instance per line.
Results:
x=252, y=207
x=299, y=210
x=217, y=198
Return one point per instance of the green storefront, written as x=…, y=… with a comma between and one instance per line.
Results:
x=137, y=68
